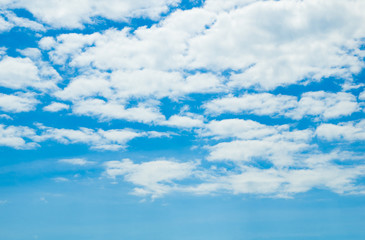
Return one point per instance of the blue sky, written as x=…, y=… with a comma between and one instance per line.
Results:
x=168, y=119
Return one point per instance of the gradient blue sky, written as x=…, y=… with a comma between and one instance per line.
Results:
x=168, y=119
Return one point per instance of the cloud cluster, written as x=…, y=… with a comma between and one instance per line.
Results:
x=17, y=137
x=155, y=178
x=23, y=73
x=250, y=141
x=348, y=131
x=18, y=102
x=324, y=105
x=167, y=59
x=225, y=73
x=159, y=177
x=20, y=137
x=71, y=14
x=9, y=20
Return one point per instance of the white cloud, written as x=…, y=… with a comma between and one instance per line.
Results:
x=252, y=141
x=316, y=170
x=285, y=182
x=56, y=107
x=349, y=131
x=325, y=105
x=160, y=47
x=362, y=95
x=259, y=104
x=238, y=128
x=184, y=121
x=143, y=112
x=90, y=85
x=60, y=179
x=4, y=25
x=293, y=42
x=2, y=50
x=279, y=152
x=17, y=137
x=221, y=48
x=20, y=137
x=113, y=140
x=5, y=116
x=18, y=102
x=8, y=20
x=154, y=178
x=22, y=73
x=71, y=14
x=75, y=161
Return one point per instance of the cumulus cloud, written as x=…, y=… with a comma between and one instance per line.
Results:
x=292, y=43
x=23, y=73
x=17, y=137
x=259, y=104
x=201, y=50
x=143, y=112
x=8, y=20
x=362, y=95
x=349, y=131
x=251, y=141
x=154, y=178
x=317, y=170
x=239, y=128
x=20, y=137
x=284, y=182
x=184, y=120
x=71, y=14
x=5, y=116
x=325, y=105
x=218, y=54
x=18, y=102
x=113, y=140
x=56, y=107
x=320, y=104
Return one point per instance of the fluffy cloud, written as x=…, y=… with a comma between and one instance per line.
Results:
x=71, y=14
x=20, y=137
x=362, y=95
x=325, y=105
x=56, y=107
x=8, y=20
x=252, y=141
x=184, y=120
x=214, y=52
x=293, y=42
x=18, y=102
x=284, y=182
x=159, y=177
x=113, y=140
x=322, y=104
x=239, y=128
x=154, y=178
x=23, y=73
x=279, y=152
x=17, y=137
x=349, y=131
x=201, y=50
x=143, y=112
x=5, y=116
x=259, y=104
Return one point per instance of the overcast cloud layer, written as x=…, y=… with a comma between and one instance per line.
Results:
x=270, y=93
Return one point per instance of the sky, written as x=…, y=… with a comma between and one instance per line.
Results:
x=182, y=119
